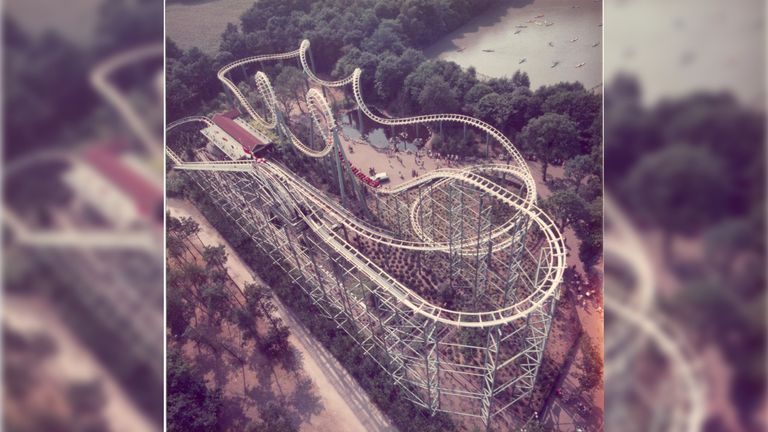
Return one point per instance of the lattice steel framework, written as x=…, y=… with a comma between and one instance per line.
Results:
x=448, y=281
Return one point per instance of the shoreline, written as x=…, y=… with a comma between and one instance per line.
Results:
x=510, y=37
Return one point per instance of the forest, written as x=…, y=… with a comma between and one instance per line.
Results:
x=232, y=334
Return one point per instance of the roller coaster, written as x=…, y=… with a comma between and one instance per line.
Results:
x=449, y=280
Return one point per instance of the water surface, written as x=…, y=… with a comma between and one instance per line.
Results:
x=531, y=36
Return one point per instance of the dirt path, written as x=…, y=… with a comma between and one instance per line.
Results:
x=346, y=406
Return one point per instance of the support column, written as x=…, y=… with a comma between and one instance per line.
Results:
x=432, y=365
x=484, y=246
x=337, y=156
x=456, y=234
x=489, y=374
x=518, y=231
x=360, y=120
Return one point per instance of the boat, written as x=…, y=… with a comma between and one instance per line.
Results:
x=521, y=26
x=522, y=61
x=551, y=44
x=459, y=49
x=595, y=44
x=539, y=16
x=487, y=50
x=517, y=31
x=555, y=64
x=575, y=39
x=580, y=64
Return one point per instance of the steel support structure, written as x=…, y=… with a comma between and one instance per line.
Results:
x=464, y=329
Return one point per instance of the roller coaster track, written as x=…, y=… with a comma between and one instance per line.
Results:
x=343, y=216
x=322, y=115
x=314, y=99
x=549, y=282
x=99, y=78
x=307, y=233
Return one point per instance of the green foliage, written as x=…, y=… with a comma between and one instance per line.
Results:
x=476, y=93
x=47, y=73
x=680, y=189
x=566, y=207
x=579, y=168
x=191, y=405
x=551, y=138
x=592, y=365
x=190, y=82
x=178, y=314
x=392, y=71
x=436, y=96
x=493, y=109
x=276, y=418
x=290, y=88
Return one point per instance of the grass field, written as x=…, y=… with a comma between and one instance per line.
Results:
x=199, y=23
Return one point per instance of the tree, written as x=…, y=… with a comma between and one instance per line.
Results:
x=275, y=418
x=437, y=97
x=476, y=93
x=389, y=77
x=589, y=230
x=387, y=37
x=494, y=109
x=172, y=50
x=592, y=365
x=367, y=62
x=233, y=42
x=177, y=313
x=522, y=108
x=387, y=9
x=581, y=106
x=566, y=206
x=520, y=79
x=552, y=138
x=579, y=168
x=215, y=257
x=421, y=21
x=215, y=301
x=392, y=71
x=290, y=88
x=681, y=189
x=191, y=405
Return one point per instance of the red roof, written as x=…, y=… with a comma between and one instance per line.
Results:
x=144, y=194
x=245, y=138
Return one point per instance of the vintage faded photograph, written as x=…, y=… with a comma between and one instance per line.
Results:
x=384, y=215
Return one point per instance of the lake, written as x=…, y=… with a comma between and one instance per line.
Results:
x=551, y=40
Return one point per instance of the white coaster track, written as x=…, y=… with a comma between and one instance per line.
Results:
x=514, y=332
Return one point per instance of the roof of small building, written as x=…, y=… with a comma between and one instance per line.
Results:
x=143, y=193
x=245, y=138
